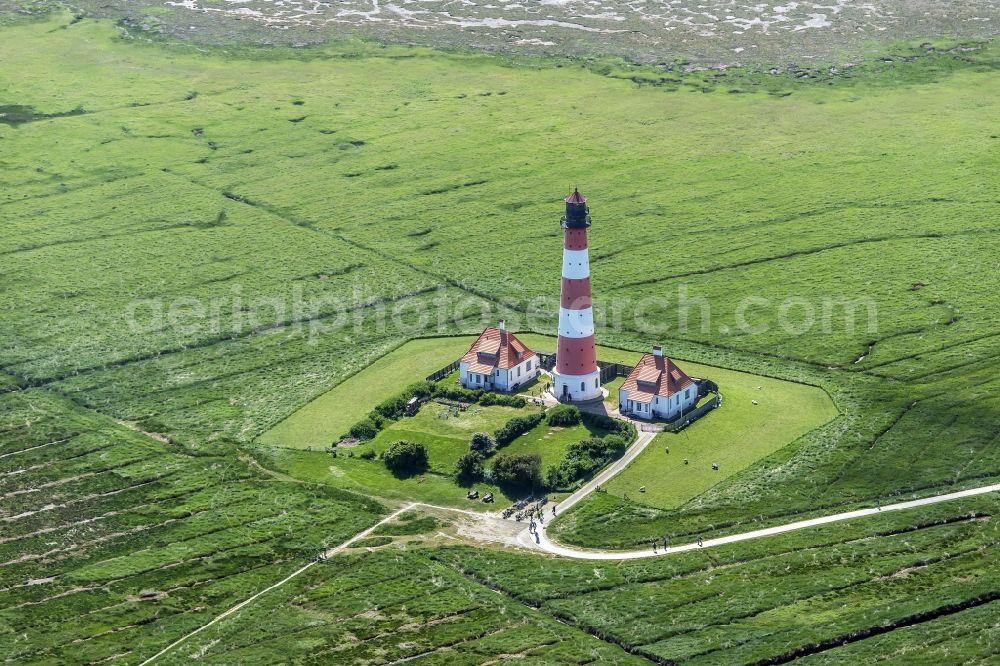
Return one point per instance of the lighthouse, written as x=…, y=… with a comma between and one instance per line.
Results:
x=576, y=376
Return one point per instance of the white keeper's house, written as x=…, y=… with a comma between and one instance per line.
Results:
x=657, y=389
x=498, y=361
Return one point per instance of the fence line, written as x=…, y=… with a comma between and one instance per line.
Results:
x=685, y=419
x=443, y=372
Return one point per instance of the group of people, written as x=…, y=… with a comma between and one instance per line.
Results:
x=540, y=515
x=666, y=541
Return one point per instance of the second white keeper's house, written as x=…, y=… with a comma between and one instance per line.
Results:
x=657, y=389
x=497, y=360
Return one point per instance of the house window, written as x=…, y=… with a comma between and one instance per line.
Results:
x=583, y=386
x=529, y=364
x=687, y=394
x=595, y=383
x=518, y=371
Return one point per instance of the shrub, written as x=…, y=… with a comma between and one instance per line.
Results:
x=583, y=458
x=367, y=454
x=470, y=466
x=489, y=398
x=421, y=389
x=563, y=415
x=520, y=470
x=482, y=442
x=403, y=457
x=392, y=408
x=624, y=429
x=457, y=393
x=516, y=427
x=615, y=445
x=364, y=429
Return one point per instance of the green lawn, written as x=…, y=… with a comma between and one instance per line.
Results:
x=322, y=421
x=612, y=388
x=550, y=442
x=445, y=432
x=371, y=476
x=736, y=435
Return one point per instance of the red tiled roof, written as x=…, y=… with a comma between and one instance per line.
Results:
x=496, y=349
x=659, y=376
x=576, y=197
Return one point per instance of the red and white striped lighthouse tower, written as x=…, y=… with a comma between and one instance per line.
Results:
x=576, y=376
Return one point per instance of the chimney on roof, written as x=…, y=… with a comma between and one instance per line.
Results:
x=657, y=350
x=503, y=325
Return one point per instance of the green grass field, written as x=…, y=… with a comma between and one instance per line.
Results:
x=735, y=436
x=368, y=477
x=202, y=241
x=322, y=421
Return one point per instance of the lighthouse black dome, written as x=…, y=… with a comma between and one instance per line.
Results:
x=577, y=213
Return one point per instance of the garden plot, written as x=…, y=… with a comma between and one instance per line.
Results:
x=444, y=430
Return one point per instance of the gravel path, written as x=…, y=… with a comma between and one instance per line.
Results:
x=541, y=541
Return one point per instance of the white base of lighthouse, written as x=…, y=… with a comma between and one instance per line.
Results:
x=577, y=388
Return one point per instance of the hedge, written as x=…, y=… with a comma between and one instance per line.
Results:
x=584, y=458
x=516, y=427
x=394, y=408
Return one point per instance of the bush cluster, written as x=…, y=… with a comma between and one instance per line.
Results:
x=502, y=399
x=516, y=427
x=563, y=415
x=403, y=457
x=394, y=407
x=458, y=393
x=482, y=443
x=583, y=458
x=624, y=429
x=517, y=470
x=470, y=466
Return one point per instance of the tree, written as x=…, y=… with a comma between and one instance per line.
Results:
x=563, y=415
x=470, y=466
x=520, y=470
x=404, y=457
x=482, y=443
x=364, y=429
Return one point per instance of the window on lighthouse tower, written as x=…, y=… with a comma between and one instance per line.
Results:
x=583, y=386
